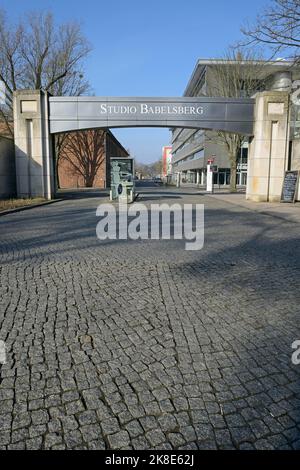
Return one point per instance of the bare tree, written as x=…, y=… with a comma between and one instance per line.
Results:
x=149, y=170
x=71, y=85
x=237, y=75
x=85, y=153
x=141, y=169
x=278, y=27
x=38, y=54
x=157, y=167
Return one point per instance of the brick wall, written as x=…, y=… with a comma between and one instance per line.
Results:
x=70, y=178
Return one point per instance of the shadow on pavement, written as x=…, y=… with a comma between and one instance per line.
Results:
x=81, y=193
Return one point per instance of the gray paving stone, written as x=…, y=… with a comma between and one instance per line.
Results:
x=140, y=443
x=68, y=423
x=34, y=444
x=119, y=440
x=74, y=407
x=155, y=437
x=134, y=428
x=110, y=426
x=39, y=417
x=96, y=445
x=87, y=417
x=72, y=439
x=91, y=432
x=143, y=344
x=52, y=439
x=176, y=439
x=168, y=423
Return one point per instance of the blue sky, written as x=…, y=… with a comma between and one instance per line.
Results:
x=147, y=48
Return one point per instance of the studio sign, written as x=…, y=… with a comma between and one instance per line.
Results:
x=144, y=108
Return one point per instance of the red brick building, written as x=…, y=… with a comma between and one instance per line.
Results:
x=84, y=160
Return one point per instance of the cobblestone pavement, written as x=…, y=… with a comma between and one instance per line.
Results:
x=142, y=344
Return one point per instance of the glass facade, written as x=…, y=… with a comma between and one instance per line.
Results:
x=221, y=177
x=295, y=122
x=242, y=166
x=189, y=176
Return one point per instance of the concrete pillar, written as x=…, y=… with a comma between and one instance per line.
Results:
x=202, y=178
x=268, y=150
x=198, y=177
x=295, y=163
x=209, y=179
x=33, y=145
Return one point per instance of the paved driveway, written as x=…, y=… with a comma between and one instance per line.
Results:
x=142, y=344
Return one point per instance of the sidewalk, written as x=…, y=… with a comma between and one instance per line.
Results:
x=285, y=211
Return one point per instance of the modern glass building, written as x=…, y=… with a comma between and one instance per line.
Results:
x=192, y=148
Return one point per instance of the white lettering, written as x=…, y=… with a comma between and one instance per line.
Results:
x=138, y=227
x=196, y=235
x=149, y=109
x=124, y=461
x=106, y=227
x=296, y=354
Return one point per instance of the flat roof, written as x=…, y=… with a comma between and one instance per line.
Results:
x=272, y=66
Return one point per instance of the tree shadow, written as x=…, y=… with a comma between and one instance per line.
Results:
x=81, y=193
x=238, y=297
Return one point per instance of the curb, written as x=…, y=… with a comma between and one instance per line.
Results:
x=264, y=212
x=32, y=206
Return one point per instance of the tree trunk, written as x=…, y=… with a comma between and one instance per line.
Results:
x=89, y=181
x=233, y=171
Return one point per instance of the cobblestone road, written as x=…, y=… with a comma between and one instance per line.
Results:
x=143, y=345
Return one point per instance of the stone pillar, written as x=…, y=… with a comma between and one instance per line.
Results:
x=295, y=163
x=33, y=145
x=268, y=150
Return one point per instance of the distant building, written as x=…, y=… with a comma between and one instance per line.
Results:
x=166, y=160
x=68, y=177
x=192, y=148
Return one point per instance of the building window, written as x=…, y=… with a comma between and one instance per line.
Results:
x=295, y=121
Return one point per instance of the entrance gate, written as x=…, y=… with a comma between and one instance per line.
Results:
x=37, y=116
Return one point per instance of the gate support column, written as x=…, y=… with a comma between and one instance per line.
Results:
x=268, y=151
x=33, y=145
